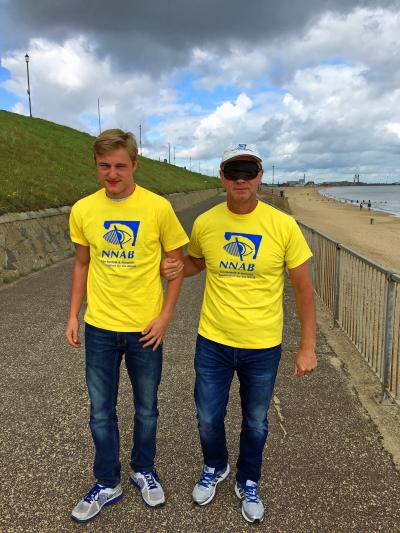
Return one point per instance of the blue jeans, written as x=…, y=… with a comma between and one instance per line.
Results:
x=104, y=351
x=215, y=365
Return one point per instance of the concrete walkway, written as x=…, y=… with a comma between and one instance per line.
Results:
x=325, y=469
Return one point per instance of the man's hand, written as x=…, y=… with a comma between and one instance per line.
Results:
x=154, y=333
x=170, y=268
x=306, y=362
x=72, y=332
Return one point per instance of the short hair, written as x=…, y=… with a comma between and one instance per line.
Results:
x=113, y=139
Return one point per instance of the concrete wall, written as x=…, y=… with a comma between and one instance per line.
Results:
x=35, y=239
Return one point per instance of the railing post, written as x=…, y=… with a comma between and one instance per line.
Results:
x=388, y=344
x=312, y=243
x=336, y=295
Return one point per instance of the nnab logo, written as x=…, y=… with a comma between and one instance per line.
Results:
x=247, y=245
x=122, y=233
x=241, y=246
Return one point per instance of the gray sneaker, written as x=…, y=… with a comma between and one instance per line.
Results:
x=252, y=506
x=204, y=490
x=149, y=485
x=94, y=500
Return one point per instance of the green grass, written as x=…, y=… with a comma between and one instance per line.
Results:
x=43, y=164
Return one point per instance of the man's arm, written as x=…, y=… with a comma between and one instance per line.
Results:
x=171, y=268
x=300, y=278
x=78, y=292
x=193, y=266
x=154, y=333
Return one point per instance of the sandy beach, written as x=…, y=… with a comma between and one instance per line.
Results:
x=345, y=223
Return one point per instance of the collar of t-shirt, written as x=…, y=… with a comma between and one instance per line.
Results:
x=119, y=199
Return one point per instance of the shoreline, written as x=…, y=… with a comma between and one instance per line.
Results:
x=373, y=234
x=355, y=204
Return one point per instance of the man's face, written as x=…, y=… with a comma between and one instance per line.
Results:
x=241, y=190
x=115, y=172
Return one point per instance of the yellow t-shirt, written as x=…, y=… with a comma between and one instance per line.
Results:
x=245, y=259
x=126, y=239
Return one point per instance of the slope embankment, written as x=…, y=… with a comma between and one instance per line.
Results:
x=44, y=165
x=44, y=169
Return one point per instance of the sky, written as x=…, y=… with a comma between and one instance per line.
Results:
x=315, y=84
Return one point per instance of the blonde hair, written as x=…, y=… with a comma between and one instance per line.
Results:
x=113, y=139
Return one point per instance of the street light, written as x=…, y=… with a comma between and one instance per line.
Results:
x=98, y=113
x=29, y=89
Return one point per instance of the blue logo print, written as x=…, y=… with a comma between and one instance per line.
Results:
x=241, y=248
x=121, y=235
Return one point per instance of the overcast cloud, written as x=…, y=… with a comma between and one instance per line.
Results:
x=315, y=84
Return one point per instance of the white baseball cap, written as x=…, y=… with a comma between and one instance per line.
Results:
x=238, y=150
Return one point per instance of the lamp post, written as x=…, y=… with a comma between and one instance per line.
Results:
x=140, y=139
x=29, y=88
x=98, y=114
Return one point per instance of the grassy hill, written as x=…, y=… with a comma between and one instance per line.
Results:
x=43, y=164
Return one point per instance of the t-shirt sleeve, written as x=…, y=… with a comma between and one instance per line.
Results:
x=194, y=248
x=75, y=227
x=297, y=249
x=172, y=235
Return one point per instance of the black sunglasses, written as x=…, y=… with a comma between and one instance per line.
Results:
x=241, y=170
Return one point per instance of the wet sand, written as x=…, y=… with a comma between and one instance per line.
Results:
x=345, y=223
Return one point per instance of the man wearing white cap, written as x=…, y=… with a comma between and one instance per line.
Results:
x=244, y=245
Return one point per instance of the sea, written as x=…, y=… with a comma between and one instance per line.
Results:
x=384, y=198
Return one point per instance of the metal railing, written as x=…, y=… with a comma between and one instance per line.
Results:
x=364, y=299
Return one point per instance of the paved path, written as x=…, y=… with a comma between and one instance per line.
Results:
x=325, y=470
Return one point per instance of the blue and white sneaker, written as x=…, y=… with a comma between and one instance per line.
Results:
x=94, y=500
x=149, y=485
x=204, y=490
x=252, y=506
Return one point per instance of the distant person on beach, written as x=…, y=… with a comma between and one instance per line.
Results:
x=119, y=234
x=245, y=246
x=361, y=205
x=369, y=205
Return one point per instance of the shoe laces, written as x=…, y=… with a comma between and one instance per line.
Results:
x=250, y=493
x=151, y=479
x=206, y=479
x=93, y=493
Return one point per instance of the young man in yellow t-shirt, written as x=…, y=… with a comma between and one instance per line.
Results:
x=244, y=245
x=120, y=233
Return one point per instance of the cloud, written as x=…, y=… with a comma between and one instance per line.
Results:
x=222, y=127
x=394, y=127
x=66, y=82
x=155, y=36
x=314, y=84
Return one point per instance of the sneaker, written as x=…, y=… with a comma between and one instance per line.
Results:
x=252, y=506
x=204, y=490
x=149, y=485
x=94, y=500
